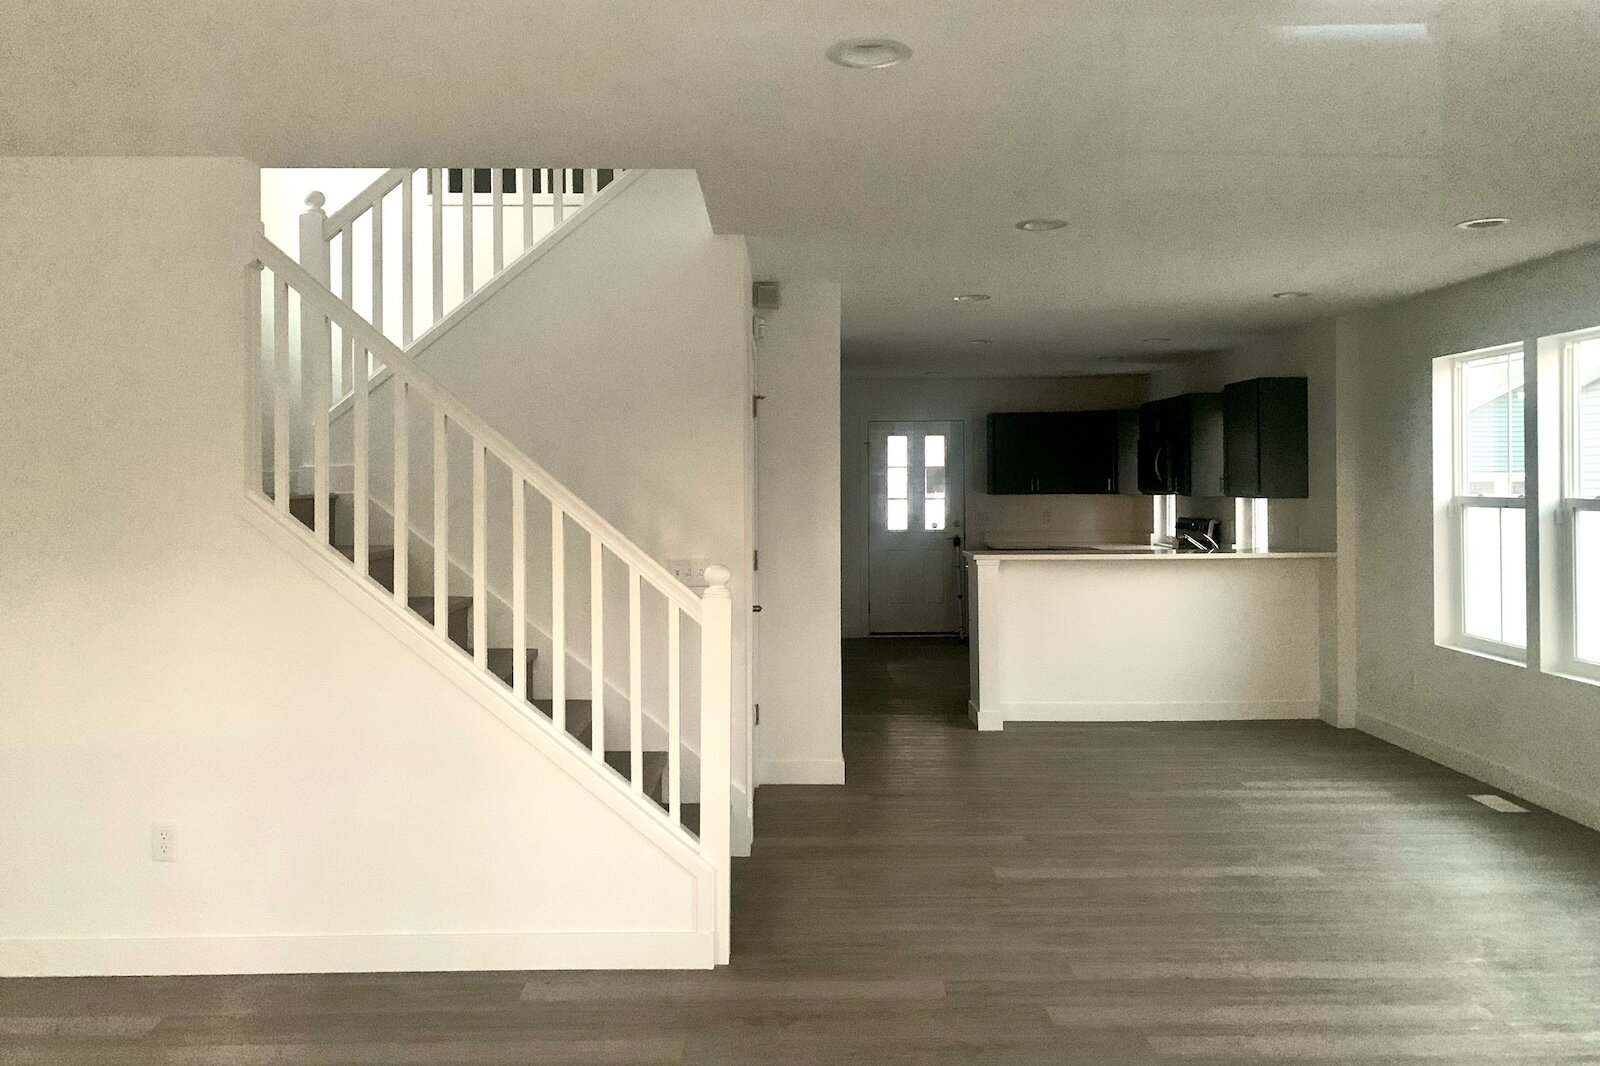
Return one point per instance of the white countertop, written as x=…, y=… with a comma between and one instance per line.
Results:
x=1127, y=552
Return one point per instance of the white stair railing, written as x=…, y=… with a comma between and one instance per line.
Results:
x=442, y=231
x=287, y=394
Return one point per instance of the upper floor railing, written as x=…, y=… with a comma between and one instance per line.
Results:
x=419, y=242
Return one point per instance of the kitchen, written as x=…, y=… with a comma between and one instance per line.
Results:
x=1205, y=620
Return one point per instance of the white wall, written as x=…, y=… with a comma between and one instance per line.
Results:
x=798, y=671
x=619, y=362
x=1527, y=731
x=339, y=803
x=1295, y=525
x=969, y=400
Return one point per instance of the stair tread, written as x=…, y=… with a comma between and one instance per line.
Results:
x=374, y=551
x=502, y=662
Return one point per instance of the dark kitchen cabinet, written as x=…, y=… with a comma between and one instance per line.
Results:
x=1264, y=439
x=1052, y=452
x=1180, y=445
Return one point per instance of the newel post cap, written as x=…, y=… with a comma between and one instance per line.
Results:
x=717, y=578
x=315, y=200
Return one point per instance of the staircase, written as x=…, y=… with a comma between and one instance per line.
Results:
x=423, y=467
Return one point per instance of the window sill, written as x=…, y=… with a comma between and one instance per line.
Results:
x=1572, y=672
x=1507, y=655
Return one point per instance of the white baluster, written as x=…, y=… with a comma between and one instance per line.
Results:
x=519, y=587
x=716, y=737
x=480, y=556
x=280, y=395
x=441, y=523
x=558, y=190
x=497, y=214
x=319, y=328
x=406, y=241
x=674, y=711
x=591, y=185
x=597, y=646
x=527, y=208
x=347, y=263
x=468, y=180
x=437, y=181
x=362, y=443
x=254, y=447
x=558, y=617
x=635, y=683
x=399, y=390
x=348, y=275
x=377, y=267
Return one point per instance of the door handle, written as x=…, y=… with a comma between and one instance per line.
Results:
x=755, y=608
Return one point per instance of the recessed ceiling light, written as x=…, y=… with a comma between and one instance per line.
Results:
x=1041, y=225
x=1290, y=295
x=1487, y=222
x=869, y=53
x=970, y=297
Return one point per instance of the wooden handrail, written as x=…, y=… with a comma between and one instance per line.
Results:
x=404, y=367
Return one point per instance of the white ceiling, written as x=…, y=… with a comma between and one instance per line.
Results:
x=1205, y=154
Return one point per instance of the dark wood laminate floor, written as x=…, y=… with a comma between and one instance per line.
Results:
x=1098, y=894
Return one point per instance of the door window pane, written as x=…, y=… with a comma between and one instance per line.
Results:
x=1492, y=397
x=933, y=482
x=1494, y=605
x=897, y=483
x=897, y=514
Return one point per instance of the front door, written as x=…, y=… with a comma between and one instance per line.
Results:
x=913, y=557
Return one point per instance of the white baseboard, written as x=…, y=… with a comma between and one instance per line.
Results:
x=374, y=953
x=801, y=771
x=986, y=721
x=1220, y=711
x=1538, y=792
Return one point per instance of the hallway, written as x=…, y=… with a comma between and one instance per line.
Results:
x=1099, y=894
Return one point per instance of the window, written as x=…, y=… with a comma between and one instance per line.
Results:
x=1578, y=513
x=1249, y=525
x=1480, y=484
x=899, y=469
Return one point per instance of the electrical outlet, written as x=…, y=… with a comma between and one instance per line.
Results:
x=163, y=843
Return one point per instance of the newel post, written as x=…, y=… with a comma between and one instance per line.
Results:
x=716, y=739
x=316, y=255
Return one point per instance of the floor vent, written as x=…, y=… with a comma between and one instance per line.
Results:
x=1501, y=804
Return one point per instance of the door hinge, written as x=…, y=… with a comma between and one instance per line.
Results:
x=755, y=559
x=755, y=406
x=758, y=714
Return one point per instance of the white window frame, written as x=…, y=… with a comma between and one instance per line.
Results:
x=1451, y=502
x=1559, y=519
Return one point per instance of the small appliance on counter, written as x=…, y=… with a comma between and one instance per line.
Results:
x=1198, y=535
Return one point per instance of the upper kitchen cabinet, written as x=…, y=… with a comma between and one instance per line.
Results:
x=1054, y=452
x=1264, y=438
x=1180, y=445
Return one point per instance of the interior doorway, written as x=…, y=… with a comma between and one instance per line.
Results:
x=914, y=537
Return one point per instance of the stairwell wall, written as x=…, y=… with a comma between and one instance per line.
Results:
x=339, y=803
x=619, y=361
